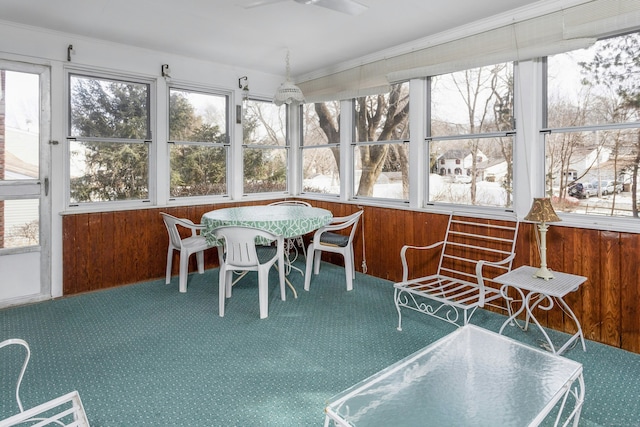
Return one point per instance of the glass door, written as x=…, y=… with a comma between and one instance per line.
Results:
x=24, y=184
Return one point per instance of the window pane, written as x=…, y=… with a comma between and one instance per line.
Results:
x=20, y=158
x=383, y=117
x=472, y=171
x=198, y=130
x=382, y=170
x=593, y=172
x=198, y=170
x=197, y=117
x=321, y=147
x=21, y=223
x=593, y=169
x=321, y=123
x=265, y=170
x=105, y=112
x=108, y=171
x=109, y=108
x=265, y=165
x=473, y=101
x=320, y=172
x=264, y=123
x=389, y=182
x=593, y=86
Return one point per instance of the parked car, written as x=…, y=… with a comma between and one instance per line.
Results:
x=608, y=187
x=583, y=190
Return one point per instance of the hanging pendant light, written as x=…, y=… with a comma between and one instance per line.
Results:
x=288, y=92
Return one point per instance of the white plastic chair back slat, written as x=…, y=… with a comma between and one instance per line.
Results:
x=242, y=254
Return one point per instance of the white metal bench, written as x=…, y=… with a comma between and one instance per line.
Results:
x=473, y=252
x=65, y=411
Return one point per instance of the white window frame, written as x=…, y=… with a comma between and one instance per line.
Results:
x=227, y=145
x=152, y=142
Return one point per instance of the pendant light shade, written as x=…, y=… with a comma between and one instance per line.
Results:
x=288, y=92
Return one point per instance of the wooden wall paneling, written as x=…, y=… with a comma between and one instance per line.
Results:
x=84, y=258
x=122, y=248
x=146, y=234
x=567, y=259
x=389, y=255
x=586, y=301
x=630, y=293
x=406, y=226
x=159, y=243
x=108, y=251
x=376, y=235
x=129, y=264
x=606, y=327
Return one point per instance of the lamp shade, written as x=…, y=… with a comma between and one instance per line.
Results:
x=288, y=93
x=542, y=211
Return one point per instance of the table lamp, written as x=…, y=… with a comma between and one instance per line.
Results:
x=542, y=212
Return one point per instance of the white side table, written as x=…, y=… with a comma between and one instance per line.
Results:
x=537, y=291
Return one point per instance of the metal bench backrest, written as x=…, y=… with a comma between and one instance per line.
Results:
x=470, y=239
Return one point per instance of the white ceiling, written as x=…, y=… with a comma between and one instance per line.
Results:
x=225, y=31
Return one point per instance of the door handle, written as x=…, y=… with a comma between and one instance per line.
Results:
x=46, y=186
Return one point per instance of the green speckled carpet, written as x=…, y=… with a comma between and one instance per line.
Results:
x=146, y=355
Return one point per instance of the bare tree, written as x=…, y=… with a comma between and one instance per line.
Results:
x=616, y=65
x=481, y=91
x=382, y=117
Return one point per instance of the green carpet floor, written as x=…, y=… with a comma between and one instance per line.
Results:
x=146, y=355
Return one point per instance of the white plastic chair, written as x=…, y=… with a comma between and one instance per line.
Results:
x=66, y=410
x=194, y=244
x=241, y=253
x=326, y=240
x=291, y=243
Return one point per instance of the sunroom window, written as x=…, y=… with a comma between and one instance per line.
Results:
x=199, y=143
x=320, y=148
x=265, y=147
x=109, y=135
x=470, y=137
x=381, y=144
x=592, y=131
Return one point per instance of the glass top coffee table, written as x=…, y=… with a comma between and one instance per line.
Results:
x=471, y=377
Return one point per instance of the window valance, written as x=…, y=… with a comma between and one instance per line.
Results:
x=563, y=30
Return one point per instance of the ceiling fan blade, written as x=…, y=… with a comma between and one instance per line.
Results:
x=350, y=7
x=261, y=3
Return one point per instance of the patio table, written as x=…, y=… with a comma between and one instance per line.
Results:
x=285, y=221
x=471, y=377
x=282, y=220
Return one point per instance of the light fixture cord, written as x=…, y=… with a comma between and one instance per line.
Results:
x=288, y=69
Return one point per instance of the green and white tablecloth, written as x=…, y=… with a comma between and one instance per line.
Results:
x=285, y=221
